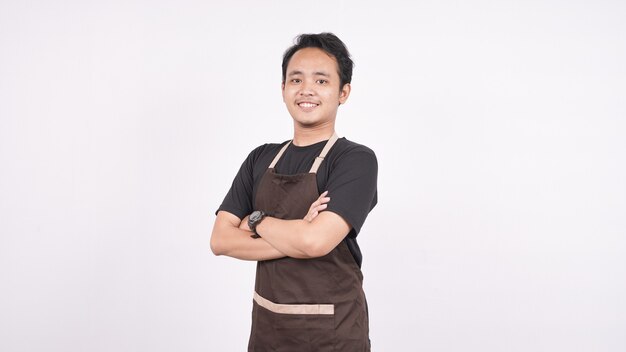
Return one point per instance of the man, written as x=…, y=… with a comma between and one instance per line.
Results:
x=308, y=290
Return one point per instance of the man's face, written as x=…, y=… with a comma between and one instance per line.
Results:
x=312, y=90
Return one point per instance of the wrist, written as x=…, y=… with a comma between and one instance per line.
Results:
x=254, y=220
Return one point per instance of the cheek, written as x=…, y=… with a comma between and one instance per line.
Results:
x=288, y=93
x=332, y=96
x=285, y=94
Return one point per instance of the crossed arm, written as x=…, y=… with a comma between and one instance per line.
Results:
x=313, y=236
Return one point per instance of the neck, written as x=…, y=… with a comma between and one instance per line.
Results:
x=304, y=136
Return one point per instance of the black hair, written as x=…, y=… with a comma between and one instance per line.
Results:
x=330, y=44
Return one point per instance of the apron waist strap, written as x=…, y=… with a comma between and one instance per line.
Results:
x=325, y=309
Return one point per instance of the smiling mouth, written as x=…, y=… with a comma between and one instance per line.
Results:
x=307, y=105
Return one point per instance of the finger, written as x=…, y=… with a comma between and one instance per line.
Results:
x=313, y=214
x=318, y=203
x=321, y=207
x=309, y=217
x=323, y=195
x=321, y=199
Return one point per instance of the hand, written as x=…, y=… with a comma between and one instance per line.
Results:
x=317, y=207
x=244, y=224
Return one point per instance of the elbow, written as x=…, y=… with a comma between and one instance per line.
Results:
x=314, y=245
x=314, y=248
x=215, y=249
x=216, y=246
x=315, y=252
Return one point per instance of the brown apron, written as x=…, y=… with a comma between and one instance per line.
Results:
x=303, y=305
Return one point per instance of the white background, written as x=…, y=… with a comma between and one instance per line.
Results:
x=499, y=128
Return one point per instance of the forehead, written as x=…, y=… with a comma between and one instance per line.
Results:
x=312, y=59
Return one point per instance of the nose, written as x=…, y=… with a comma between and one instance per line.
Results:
x=306, y=88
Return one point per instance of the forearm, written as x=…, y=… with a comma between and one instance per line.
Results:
x=292, y=237
x=235, y=242
x=305, y=239
x=240, y=245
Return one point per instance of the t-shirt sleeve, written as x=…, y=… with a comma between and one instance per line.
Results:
x=352, y=187
x=238, y=200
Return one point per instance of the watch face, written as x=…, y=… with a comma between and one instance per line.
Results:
x=255, y=215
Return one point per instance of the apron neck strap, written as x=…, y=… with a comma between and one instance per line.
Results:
x=318, y=160
x=280, y=153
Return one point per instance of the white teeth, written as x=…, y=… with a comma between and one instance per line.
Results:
x=307, y=105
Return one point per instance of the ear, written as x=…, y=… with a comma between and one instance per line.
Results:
x=344, y=93
x=282, y=90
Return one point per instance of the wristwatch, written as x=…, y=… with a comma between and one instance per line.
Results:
x=253, y=220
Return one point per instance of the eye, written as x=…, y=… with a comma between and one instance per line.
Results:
x=322, y=81
x=296, y=80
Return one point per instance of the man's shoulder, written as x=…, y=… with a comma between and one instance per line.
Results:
x=351, y=154
x=348, y=147
x=265, y=149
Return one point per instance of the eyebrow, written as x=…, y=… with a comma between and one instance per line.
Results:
x=317, y=73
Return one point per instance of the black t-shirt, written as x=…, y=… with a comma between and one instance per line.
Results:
x=349, y=174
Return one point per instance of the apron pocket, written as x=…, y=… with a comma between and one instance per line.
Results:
x=304, y=332
x=299, y=327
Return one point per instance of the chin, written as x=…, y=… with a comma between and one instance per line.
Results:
x=305, y=121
